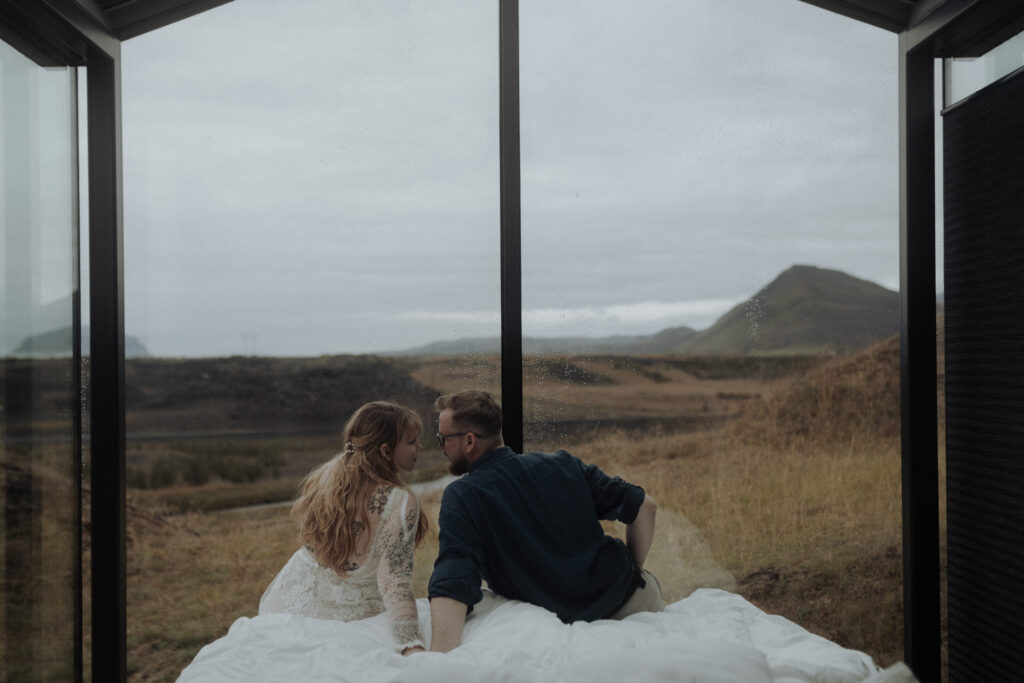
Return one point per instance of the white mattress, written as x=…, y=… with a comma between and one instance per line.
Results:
x=710, y=636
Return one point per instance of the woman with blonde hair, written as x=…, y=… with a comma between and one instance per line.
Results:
x=359, y=527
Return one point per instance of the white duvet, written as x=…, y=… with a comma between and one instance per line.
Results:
x=710, y=636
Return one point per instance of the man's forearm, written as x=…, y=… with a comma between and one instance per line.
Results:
x=640, y=533
x=447, y=617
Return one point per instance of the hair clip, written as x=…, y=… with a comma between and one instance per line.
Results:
x=349, y=448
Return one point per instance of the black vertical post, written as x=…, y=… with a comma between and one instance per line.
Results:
x=75, y=391
x=109, y=620
x=921, y=589
x=511, y=251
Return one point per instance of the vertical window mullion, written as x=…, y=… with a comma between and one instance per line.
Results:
x=917, y=363
x=511, y=252
x=106, y=294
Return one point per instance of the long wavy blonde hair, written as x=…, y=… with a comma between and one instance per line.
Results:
x=334, y=498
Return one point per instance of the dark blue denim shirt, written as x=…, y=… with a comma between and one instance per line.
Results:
x=528, y=525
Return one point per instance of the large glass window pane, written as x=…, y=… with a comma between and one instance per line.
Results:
x=38, y=377
x=710, y=266
x=311, y=201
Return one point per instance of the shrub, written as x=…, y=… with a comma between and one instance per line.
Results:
x=163, y=473
x=236, y=470
x=136, y=478
x=196, y=470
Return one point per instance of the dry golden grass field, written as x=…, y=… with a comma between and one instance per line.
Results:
x=792, y=501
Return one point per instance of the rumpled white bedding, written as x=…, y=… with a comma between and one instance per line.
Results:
x=710, y=636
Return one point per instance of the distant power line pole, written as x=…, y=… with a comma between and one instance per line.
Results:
x=249, y=343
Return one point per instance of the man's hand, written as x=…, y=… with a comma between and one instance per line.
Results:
x=640, y=533
x=447, y=617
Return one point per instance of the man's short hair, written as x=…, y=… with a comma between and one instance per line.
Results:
x=473, y=410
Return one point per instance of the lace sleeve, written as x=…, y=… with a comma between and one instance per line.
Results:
x=396, y=543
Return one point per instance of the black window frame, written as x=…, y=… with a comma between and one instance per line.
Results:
x=64, y=32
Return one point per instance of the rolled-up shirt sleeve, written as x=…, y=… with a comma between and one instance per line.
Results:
x=457, y=568
x=614, y=497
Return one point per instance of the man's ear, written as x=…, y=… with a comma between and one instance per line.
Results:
x=471, y=441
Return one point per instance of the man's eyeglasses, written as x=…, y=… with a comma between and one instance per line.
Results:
x=441, y=437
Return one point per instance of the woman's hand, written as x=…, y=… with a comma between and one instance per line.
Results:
x=412, y=650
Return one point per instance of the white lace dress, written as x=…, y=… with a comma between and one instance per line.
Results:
x=379, y=582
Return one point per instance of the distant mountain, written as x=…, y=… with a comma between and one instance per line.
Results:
x=58, y=342
x=804, y=310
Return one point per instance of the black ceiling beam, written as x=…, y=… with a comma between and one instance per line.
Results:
x=979, y=28
x=41, y=34
x=891, y=15
x=131, y=18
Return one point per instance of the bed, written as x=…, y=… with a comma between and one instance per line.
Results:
x=712, y=635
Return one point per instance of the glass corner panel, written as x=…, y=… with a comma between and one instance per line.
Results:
x=39, y=516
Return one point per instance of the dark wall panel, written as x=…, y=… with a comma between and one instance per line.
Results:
x=984, y=294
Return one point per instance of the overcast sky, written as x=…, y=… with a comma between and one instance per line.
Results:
x=322, y=177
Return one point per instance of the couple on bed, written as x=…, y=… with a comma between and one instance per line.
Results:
x=526, y=523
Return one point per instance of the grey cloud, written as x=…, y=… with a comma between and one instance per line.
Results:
x=322, y=173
